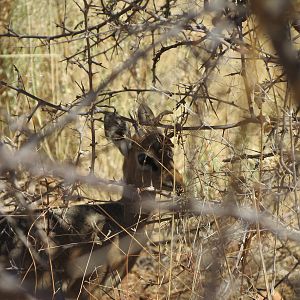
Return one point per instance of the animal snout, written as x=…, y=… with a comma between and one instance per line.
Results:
x=174, y=178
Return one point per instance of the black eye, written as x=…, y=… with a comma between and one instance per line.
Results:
x=147, y=161
x=169, y=153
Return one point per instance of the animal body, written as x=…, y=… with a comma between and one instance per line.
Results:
x=80, y=251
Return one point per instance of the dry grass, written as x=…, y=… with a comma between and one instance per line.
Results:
x=223, y=77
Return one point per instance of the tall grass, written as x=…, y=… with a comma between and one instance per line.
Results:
x=222, y=78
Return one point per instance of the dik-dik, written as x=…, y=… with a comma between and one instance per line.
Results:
x=80, y=251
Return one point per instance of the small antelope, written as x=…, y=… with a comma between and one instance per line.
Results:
x=80, y=251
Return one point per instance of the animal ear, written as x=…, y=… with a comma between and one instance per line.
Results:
x=117, y=131
x=145, y=114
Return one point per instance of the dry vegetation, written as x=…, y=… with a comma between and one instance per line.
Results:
x=228, y=72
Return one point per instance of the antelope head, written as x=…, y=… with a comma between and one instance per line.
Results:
x=148, y=154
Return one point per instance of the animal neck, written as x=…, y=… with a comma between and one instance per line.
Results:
x=137, y=200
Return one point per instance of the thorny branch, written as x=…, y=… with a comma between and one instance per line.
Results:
x=234, y=121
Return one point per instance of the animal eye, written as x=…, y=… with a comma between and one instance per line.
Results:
x=169, y=153
x=147, y=161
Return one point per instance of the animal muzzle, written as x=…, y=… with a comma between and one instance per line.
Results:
x=174, y=177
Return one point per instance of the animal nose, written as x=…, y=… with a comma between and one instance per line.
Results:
x=179, y=186
x=179, y=190
x=177, y=179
